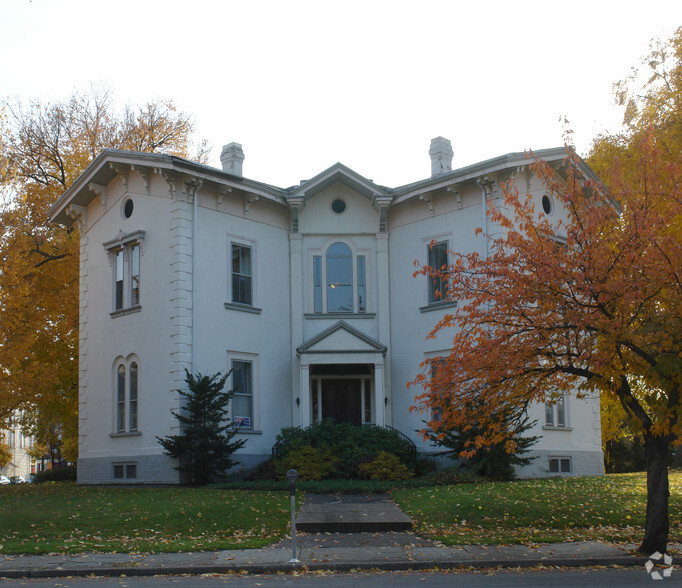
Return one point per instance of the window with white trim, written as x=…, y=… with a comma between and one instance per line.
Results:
x=242, y=275
x=437, y=259
x=555, y=413
x=339, y=281
x=126, y=397
x=243, y=406
x=124, y=253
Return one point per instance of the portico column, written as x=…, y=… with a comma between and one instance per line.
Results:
x=304, y=395
x=380, y=407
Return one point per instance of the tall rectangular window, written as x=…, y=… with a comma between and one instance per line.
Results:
x=135, y=275
x=560, y=413
x=361, y=284
x=242, y=401
x=549, y=415
x=124, y=255
x=118, y=281
x=133, y=398
x=241, y=274
x=127, y=397
x=121, y=399
x=317, y=284
x=555, y=413
x=438, y=259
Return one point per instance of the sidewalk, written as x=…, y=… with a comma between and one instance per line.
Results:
x=367, y=548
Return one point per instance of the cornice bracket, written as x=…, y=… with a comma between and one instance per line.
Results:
x=101, y=191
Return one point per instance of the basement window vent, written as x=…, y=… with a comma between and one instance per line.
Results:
x=125, y=471
x=560, y=465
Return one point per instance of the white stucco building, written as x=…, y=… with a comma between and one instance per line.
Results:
x=18, y=443
x=306, y=293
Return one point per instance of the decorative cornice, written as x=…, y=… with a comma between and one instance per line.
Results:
x=79, y=214
x=249, y=199
x=457, y=194
x=122, y=171
x=144, y=174
x=101, y=191
x=376, y=346
x=296, y=204
x=222, y=193
x=428, y=198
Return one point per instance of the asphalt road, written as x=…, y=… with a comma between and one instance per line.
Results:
x=556, y=578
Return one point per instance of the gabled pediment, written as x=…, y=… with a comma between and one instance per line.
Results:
x=341, y=338
x=341, y=174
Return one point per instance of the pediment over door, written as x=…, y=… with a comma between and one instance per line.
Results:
x=341, y=338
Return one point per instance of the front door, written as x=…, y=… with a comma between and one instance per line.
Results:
x=342, y=392
x=342, y=400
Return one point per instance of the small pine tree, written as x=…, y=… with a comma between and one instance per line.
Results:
x=205, y=446
x=493, y=461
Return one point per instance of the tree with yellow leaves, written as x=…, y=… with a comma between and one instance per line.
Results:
x=43, y=149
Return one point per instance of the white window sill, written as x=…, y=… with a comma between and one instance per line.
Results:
x=243, y=307
x=340, y=315
x=126, y=434
x=125, y=311
x=245, y=431
x=438, y=306
x=555, y=428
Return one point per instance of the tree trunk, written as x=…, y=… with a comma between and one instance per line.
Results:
x=657, y=524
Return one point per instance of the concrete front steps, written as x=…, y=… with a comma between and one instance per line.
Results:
x=324, y=513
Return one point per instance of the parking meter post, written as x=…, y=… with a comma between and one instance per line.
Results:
x=291, y=477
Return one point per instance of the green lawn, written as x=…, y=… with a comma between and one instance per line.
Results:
x=609, y=508
x=65, y=518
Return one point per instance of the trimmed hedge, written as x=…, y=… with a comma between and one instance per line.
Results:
x=65, y=474
x=352, y=445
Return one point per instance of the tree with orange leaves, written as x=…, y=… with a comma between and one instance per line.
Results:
x=43, y=149
x=586, y=306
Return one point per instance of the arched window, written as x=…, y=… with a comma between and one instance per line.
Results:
x=339, y=278
x=121, y=399
x=126, y=395
x=132, y=398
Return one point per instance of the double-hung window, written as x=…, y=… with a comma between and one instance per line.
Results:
x=126, y=397
x=242, y=401
x=555, y=413
x=437, y=260
x=339, y=281
x=124, y=252
x=242, y=276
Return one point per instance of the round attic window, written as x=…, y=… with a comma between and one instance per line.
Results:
x=338, y=206
x=547, y=204
x=128, y=208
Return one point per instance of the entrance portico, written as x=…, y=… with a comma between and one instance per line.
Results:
x=342, y=377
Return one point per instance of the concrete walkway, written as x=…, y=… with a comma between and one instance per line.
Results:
x=370, y=547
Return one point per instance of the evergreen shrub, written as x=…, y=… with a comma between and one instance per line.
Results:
x=352, y=445
x=311, y=463
x=385, y=466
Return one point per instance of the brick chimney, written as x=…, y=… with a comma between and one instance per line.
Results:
x=232, y=157
x=441, y=156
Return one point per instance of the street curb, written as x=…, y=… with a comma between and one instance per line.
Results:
x=398, y=565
